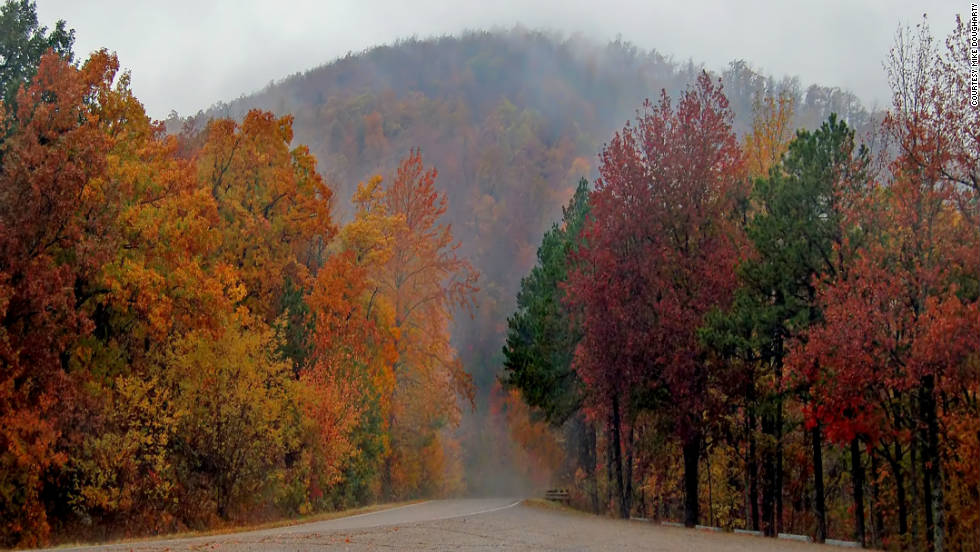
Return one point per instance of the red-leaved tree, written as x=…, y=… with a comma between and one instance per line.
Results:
x=661, y=247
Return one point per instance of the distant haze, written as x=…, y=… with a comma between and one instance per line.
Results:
x=186, y=55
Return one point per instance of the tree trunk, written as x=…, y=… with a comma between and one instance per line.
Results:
x=753, y=467
x=926, y=503
x=618, y=459
x=876, y=513
x=914, y=485
x=768, y=477
x=692, y=453
x=778, y=433
x=895, y=463
x=778, y=480
x=609, y=466
x=590, y=443
x=931, y=476
x=819, y=503
x=628, y=475
x=857, y=481
x=711, y=500
x=903, y=509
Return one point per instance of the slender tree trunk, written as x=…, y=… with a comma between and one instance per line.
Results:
x=628, y=475
x=753, y=467
x=895, y=463
x=609, y=466
x=768, y=477
x=876, y=515
x=819, y=503
x=903, y=509
x=778, y=433
x=915, y=486
x=857, y=481
x=386, y=476
x=778, y=480
x=618, y=459
x=936, y=499
x=590, y=439
x=692, y=453
x=932, y=480
x=927, y=504
x=711, y=501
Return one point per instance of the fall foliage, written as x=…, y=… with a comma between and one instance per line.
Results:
x=779, y=337
x=659, y=252
x=744, y=321
x=188, y=339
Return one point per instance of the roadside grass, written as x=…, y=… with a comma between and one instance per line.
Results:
x=555, y=506
x=232, y=529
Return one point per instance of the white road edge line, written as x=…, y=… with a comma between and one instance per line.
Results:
x=490, y=510
x=365, y=514
x=303, y=526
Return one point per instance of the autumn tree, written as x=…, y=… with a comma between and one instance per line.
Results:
x=878, y=367
x=236, y=418
x=659, y=253
x=274, y=205
x=424, y=281
x=121, y=425
x=136, y=246
x=881, y=369
x=48, y=245
x=771, y=132
x=350, y=376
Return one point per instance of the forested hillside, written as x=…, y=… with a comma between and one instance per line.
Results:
x=511, y=120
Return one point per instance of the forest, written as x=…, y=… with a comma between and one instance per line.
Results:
x=757, y=309
x=188, y=335
x=776, y=333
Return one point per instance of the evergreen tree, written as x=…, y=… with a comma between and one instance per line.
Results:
x=22, y=43
x=541, y=335
x=794, y=232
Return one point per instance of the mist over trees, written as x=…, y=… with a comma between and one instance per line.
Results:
x=512, y=119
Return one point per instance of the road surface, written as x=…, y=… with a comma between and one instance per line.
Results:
x=467, y=524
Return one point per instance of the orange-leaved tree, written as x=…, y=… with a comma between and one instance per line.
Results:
x=274, y=206
x=51, y=223
x=771, y=133
x=423, y=281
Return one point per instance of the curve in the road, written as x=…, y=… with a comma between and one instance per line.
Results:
x=419, y=512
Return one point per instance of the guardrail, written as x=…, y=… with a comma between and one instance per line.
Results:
x=557, y=495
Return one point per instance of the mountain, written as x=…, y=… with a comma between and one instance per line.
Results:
x=511, y=120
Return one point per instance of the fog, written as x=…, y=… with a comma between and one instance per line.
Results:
x=186, y=56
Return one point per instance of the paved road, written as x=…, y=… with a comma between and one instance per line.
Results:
x=468, y=524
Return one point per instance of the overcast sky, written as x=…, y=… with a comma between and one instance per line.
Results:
x=186, y=55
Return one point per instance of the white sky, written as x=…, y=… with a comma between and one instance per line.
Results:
x=186, y=55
